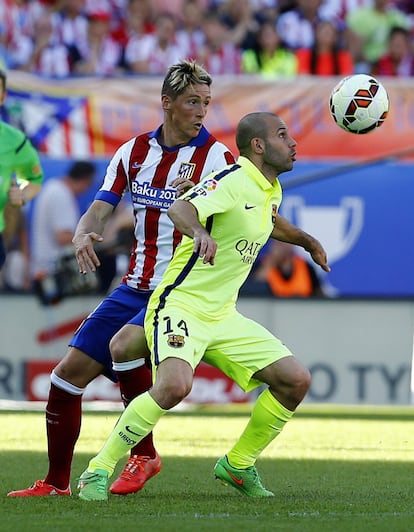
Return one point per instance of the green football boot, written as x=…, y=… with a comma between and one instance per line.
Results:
x=93, y=485
x=245, y=480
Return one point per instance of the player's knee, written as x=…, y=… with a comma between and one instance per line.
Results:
x=300, y=383
x=172, y=393
x=121, y=348
x=77, y=368
x=64, y=372
x=117, y=347
x=128, y=344
x=179, y=391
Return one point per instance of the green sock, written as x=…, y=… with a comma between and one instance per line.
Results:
x=266, y=421
x=138, y=420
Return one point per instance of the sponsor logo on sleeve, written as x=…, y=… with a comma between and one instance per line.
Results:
x=204, y=188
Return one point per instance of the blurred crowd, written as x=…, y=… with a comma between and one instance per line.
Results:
x=273, y=38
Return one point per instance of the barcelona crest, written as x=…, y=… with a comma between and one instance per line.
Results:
x=175, y=340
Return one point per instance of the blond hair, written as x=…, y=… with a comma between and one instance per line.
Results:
x=183, y=74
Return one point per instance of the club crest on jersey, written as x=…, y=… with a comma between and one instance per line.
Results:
x=175, y=340
x=186, y=170
x=274, y=213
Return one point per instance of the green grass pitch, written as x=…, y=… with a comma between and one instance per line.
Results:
x=332, y=469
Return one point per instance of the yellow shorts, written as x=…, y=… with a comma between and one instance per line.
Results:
x=236, y=345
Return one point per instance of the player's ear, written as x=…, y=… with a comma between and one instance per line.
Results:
x=257, y=145
x=165, y=102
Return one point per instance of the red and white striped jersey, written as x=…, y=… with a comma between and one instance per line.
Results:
x=146, y=168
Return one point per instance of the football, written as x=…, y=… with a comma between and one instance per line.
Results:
x=359, y=104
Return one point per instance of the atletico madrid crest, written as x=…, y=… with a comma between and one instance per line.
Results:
x=186, y=170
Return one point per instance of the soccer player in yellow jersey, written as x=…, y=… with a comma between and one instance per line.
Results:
x=225, y=220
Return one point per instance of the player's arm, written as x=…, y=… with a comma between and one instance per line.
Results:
x=20, y=195
x=287, y=232
x=184, y=216
x=88, y=231
x=28, y=177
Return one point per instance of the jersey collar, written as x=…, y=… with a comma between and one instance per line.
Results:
x=197, y=141
x=252, y=170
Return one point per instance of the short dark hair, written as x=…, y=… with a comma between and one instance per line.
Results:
x=182, y=75
x=395, y=30
x=251, y=126
x=3, y=79
x=81, y=170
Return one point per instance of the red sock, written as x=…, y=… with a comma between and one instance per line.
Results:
x=132, y=383
x=63, y=421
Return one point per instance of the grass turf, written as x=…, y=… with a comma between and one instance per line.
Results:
x=332, y=469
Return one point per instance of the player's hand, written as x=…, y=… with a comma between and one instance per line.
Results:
x=85, y=252
x=16, y=196
x=318, y=255
x=181, y=185
x=205, y=246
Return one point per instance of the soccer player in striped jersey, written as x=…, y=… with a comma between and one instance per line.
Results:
x=153, y=167
x=226, y=219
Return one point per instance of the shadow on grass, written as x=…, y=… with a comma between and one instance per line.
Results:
x=309, y=495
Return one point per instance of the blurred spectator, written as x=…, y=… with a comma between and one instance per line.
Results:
x=70, y=25
x=241, y=22
x=269, y=57
x=55, y=215
x=269, y=10
x=296, y=27
x=16, y=29
x=399, y=58
x=100, y=54
x=218, y=55
x=154, y=53
x=326, y=57
x=282, y=272
x=370, y=27
x=138, y=21
x=339, y=9
x=190, y=36
x=175, y=7
x=48, y=57
x=116, y=8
